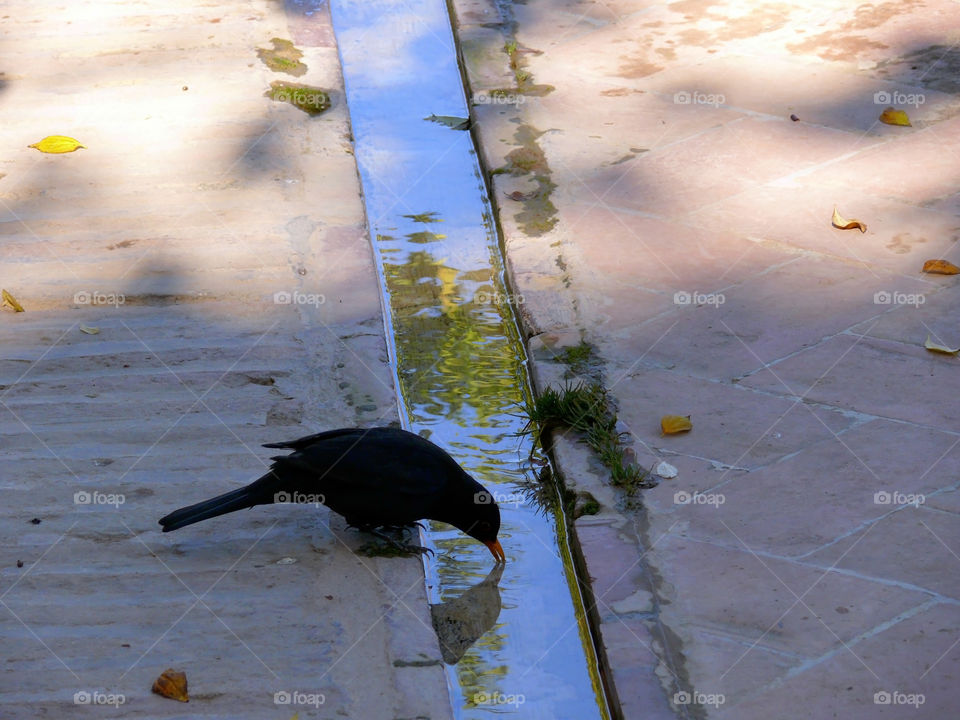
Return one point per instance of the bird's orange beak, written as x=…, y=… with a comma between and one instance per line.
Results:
x=497, y=551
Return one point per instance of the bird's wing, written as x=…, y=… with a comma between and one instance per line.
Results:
x=308, y=440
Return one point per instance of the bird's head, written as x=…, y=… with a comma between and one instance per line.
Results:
x=482, y=522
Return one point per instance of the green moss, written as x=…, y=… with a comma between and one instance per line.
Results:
x=526, y=159
x=580, y=357
x=311, y=100
x=539, y=213
x=284, y=57
x=522, y=76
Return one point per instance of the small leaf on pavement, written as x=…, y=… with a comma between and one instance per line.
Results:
x=892, y=116
x=671, y=424
x=934, y=347
x=57, y=144
x=172, y=684
x=941, y=267
x=10, y=300
x=841, y=222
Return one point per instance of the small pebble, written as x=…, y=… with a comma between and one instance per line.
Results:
x=666, y=471
x=794, y=118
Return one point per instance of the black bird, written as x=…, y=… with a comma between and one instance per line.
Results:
x=376, y=477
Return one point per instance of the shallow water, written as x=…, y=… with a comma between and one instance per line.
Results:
x=521, y=646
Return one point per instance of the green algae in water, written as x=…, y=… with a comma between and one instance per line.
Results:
x=426, y=217
x=284, y=57
x=424, y=236
x=312, y=100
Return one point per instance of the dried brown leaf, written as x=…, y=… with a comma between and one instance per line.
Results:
x=892, y=116
x=841, y=222
x=172, y=684
x=940, y=267
x=671, y=424
x=10, y=300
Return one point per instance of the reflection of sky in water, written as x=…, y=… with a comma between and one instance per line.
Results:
x=457, y=351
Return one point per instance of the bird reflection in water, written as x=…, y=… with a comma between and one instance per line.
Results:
x=462, y=621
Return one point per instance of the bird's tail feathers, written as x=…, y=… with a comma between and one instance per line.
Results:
x=221, y=505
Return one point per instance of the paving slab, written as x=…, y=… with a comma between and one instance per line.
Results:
x=197, y=281
x=660, y=171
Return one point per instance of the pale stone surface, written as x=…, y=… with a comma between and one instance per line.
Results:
x=680, y=179
x=196, y=200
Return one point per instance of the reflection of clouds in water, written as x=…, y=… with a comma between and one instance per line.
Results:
x=387, y=43
x=389, y=162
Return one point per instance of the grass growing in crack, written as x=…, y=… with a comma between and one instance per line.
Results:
x=585, y=407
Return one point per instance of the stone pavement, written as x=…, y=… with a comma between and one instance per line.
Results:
x=197, y=200
x=658, y=200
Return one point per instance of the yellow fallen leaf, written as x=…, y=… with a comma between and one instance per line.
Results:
x=57, y=144
x=841, y=222
x=10, y=300
x=934, y=347
x=172, y=684
x=892, y=116
x=941, y=267
x=671, y=424
x=89, y=330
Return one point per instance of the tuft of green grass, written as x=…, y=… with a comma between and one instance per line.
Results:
x=585, y=408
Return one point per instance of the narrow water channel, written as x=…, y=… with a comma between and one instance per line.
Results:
x=523, y=647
